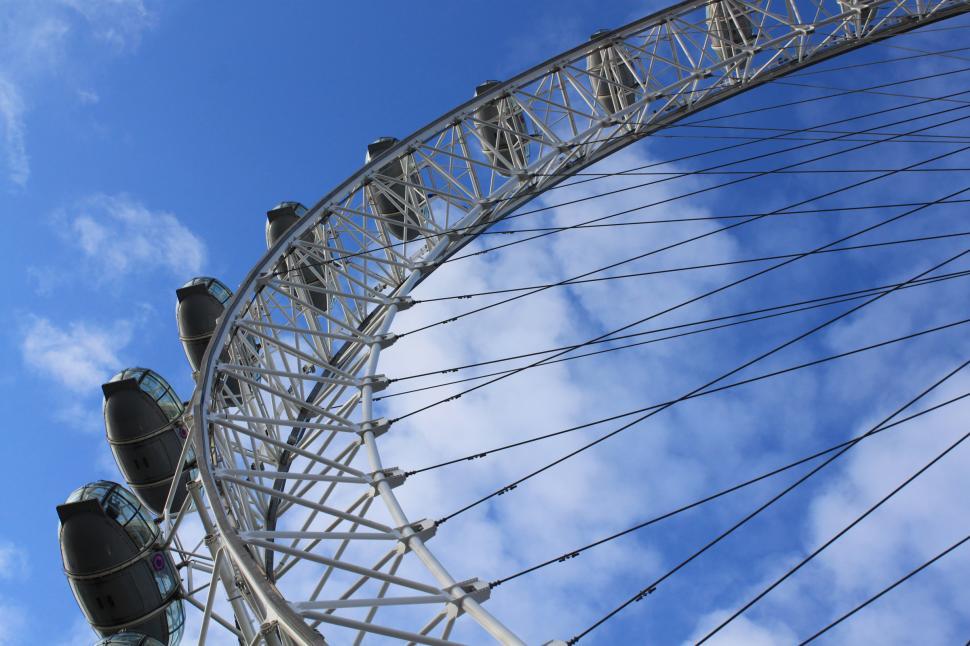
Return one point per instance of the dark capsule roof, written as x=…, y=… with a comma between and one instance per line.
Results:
x=153, y=385
x=377, y=147
x=485, y=87
x=214, y=286
x=280, y=218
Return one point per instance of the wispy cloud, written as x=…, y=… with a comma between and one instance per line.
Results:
x=36, y=38
x=120, y=23
x=79, y=356
x=12, y=133
x=13, y=561
x=118, y=235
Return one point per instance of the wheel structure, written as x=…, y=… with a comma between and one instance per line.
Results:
x=310, y=541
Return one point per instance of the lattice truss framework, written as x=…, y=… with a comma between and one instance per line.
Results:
x=309, y=531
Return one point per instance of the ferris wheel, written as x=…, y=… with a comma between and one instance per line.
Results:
x=265, y=503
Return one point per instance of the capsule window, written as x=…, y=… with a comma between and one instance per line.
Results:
x=175, y=615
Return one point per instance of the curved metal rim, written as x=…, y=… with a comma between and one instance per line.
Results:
x=274, y=607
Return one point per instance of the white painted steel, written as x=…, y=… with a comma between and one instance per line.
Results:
x=286, y=433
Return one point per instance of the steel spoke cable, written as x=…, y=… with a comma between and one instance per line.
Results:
x=517, y=214
x=838, y=535
x=807, y=171
x=693, y=299
x=842, y=296
x=754, y=175
x=705, y=393
x=652, y=587
x=673, y=270
x=948, y=139
x=788, y=104
x=627, y=346
x=814, y=329
x=887, y=590
x=571, y=554
x=721, y=126
x=738, y=216
x=673, y=245
x=943, y=53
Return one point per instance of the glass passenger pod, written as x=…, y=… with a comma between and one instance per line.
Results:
x=121, y=578
x=402, y=206
x=731, y=27
x=279, y=219
x=201, y=302
x=502, y=132
x=614, y=83
x=143, y=421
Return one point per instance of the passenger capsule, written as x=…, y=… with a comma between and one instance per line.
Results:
x=401, y=205
x=731, y=27
x=143, y=420
x=120, y=575
x=614, y=84
x=201, y=302
x=503, y=132
x=279, y=219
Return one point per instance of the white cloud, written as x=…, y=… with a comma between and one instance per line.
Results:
x=13, y=623
x=13, y=561
x=119, y=23
x=742, y=632
x=88, y=97
x=79, y=356
x=35, y=40
x=13, y=133
x=119, y=236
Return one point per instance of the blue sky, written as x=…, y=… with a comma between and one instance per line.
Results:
x=142, y=143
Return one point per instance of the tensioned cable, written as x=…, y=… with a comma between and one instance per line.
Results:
x=754, y=175
x=838, y=535
x=652, y=587
x=712, y=391
x=515, y=215
x=674, y=270
x=634, y=345
x=788, y=104
x=738, y=216
x=851, y=294
x=943, y=53
x=886, y=590
x=565, y=556
x=705, y=386
x=686, y=240
x=705, y=294
x=839, y=92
